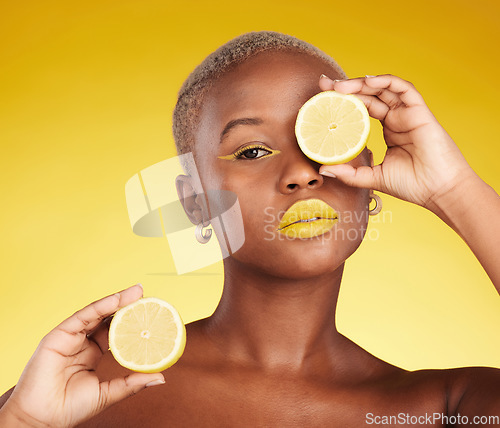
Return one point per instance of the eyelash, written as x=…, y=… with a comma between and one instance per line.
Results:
x=239, y=154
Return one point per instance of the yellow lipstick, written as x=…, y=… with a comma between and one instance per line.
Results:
x=308, y=218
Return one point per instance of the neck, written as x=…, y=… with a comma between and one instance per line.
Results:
x=275, y=322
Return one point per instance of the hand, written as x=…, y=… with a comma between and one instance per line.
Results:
x=59, y=387
x=422, y=162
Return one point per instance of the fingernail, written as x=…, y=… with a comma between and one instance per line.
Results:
x=140, y=285
x=155, y=382
x=323, y=75
x=328, y=174
x=117, y=295
x=338, y=80
x=369, y=75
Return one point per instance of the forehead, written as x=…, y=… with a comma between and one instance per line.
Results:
x=270, y=85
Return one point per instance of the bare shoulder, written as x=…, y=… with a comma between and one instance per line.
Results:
x=202, y=389
x=474, y=391
x=470, y=391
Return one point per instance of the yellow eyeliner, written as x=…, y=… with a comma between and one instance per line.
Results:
x=228, y=157
x=235, y=156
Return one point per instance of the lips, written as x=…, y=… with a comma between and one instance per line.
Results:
x=308, y=218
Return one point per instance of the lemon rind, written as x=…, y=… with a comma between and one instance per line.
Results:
x=165, y=363
x=347, y=156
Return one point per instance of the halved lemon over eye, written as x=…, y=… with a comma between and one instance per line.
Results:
x=147, y=336
x=332, y=128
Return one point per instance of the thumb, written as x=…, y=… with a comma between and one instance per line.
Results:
x=117, y=389
x=364, y=176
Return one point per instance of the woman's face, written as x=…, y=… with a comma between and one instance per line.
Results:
x=264, y=95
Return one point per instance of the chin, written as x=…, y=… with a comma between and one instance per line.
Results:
x=296, y=258
x=313, y=262
x=300, y=259
x=308, y=269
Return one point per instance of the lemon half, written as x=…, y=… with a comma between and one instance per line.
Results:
x=147, y=336
x=332, y=128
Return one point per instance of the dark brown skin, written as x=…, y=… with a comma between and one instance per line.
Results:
x=208, y=387
x=270, y=355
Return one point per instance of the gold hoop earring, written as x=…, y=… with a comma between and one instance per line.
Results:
x=378, y=204
x=201, y=237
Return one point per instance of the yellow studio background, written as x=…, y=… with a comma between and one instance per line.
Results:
x=87, y=90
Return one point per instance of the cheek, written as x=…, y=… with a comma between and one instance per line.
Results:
x=240, y=205
x=353, y=216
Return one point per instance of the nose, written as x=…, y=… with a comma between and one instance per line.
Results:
x=299, y=173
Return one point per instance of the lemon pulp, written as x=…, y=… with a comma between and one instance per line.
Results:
x=147, y=336
x=332, y=128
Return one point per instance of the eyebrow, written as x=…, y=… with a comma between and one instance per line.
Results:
x=242, y=121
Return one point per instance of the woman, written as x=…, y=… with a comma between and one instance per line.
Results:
x=270, y=355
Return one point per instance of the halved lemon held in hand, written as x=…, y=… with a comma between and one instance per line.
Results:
x=332, y=128
x=147, y=336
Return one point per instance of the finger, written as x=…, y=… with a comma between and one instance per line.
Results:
x=325, y=83
x=351, y=86
x=364, y=176
x=390, y=89
x=393, y=139
x=358, y=87
x=86, y=319
x=389, y=98
x=68, y=337
x=117, y=389
x=376, y=108
x=100, y=335
x=404, y=89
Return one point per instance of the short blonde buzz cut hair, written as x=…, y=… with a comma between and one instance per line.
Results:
x=226, y=57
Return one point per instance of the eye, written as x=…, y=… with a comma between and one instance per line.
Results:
x=252, y=153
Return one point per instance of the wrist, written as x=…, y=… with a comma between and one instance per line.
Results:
x=12, y=417
x=458, y=199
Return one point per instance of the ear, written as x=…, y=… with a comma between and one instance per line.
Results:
x=192, y=202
